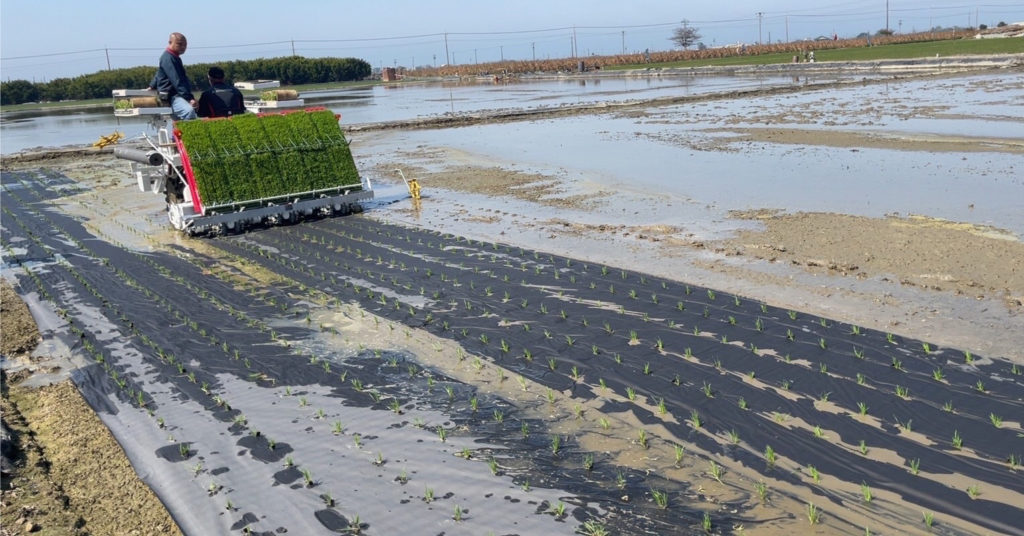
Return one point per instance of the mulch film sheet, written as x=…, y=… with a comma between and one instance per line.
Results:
x=245, y=410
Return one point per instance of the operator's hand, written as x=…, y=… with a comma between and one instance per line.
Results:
x=195, y=105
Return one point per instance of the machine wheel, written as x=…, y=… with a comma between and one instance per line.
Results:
x=174, y=190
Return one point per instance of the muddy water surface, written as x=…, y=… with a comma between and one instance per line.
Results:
x=387, y=103
x=698, y=161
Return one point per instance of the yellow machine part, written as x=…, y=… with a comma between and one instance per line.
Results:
x=414, y=188
x=109, y=139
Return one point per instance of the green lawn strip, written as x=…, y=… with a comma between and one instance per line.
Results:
x=926, y=49
x=28, y=106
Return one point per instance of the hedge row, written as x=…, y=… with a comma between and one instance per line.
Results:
x=289, y=70
x=249, y=157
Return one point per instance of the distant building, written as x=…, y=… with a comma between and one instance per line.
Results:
x=388, y=74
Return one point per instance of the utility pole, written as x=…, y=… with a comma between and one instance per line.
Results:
x=760, y=14
x=435, y=60
x=574, y=44
x=887, y=15
x=502, y=49
x=474, y=56
x=787, y=28
x=533, y=50
x=623, y=42
x=293, y=47
x=446, y=56
x=107, y=50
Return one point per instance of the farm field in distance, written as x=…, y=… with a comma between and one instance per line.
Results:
x=761, y=315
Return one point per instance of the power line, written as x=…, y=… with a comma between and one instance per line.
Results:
x=375, y=39
x=848, y=11
x=53, y=54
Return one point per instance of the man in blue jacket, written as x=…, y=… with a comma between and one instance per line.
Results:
x=221, y=100
x=171, y=82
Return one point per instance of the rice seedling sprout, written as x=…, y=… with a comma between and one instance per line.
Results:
x=813, y=513
x=660, y=498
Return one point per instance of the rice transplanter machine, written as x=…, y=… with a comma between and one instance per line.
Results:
x=227, y=174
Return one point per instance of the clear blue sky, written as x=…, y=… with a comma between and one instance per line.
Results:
x=41, y=39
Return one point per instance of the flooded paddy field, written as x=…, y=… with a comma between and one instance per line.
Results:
x=799, y=312
x=428, y=100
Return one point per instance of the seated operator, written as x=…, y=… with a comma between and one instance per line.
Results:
x=221, y=100
x=170, y=79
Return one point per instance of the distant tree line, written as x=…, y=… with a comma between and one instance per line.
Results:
x=290, y=70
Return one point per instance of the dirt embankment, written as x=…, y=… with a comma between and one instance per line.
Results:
x=18, y=328
x=63, y=472
x=933, y=254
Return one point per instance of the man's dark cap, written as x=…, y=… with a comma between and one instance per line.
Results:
x=216, y=72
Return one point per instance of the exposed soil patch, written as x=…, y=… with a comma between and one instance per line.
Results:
x=18, y=332
x=939, y=255
x=652, y=233
x=503, y=182
x=50, y=156
x=72, y=476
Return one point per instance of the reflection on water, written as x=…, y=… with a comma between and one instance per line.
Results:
x=395, y=102
x=58, y=130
